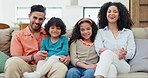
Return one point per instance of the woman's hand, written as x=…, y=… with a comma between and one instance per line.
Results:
x=122, y=53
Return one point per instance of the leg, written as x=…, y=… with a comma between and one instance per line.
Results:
x=46, y=65
x=73, y=73
x=58, y=70
x=106, y=59
x=88, y=73
x=112, y=73
x=15, y=67
x=43, y=67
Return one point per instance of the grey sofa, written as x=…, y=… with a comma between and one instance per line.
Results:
x=139, y=65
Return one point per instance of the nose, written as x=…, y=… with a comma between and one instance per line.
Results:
x=85, y=31
x=37, y=21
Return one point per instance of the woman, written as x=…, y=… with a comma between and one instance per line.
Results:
x=114, y=42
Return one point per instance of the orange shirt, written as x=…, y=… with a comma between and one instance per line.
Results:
x=24, y=42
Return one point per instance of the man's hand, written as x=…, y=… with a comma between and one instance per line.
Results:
x=65, y=59
x=40, y=55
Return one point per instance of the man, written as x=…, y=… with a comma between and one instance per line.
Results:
x=25, y=47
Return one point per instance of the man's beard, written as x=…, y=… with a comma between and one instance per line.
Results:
x=36, y=29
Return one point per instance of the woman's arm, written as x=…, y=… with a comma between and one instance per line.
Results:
x=130, y=46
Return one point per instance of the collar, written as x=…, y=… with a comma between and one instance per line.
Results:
x=28, y=32
x=106, y=28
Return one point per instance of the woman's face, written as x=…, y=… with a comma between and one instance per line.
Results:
x=86, y=30
x=112, y=14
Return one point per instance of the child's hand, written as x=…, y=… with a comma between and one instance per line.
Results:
x=65, y=59
x=91, y=66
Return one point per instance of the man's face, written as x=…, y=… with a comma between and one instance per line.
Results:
x=36, y=20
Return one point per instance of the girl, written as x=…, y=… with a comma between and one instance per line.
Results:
x=114, y=41
x=56, y=46
x=82, y=51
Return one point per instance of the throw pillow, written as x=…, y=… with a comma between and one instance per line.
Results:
x=140, y=33
x=5, y=38
x=140, y=60
x=3, y=58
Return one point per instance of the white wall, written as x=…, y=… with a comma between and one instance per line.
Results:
x=70, y=14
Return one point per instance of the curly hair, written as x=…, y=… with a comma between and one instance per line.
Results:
x=55, y=22
x=123, y=22
x=76, y=30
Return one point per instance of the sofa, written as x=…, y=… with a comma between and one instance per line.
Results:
x=139, y=64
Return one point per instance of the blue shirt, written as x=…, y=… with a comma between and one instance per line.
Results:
x=125, y=39
x=58, y=48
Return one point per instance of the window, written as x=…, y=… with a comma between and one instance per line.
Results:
x=23, y=11
x=91, y=12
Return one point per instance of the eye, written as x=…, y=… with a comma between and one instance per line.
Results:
x=52, y=27
x=82, y=29
x=41, y=19
x=34, y=17
x=58, y=28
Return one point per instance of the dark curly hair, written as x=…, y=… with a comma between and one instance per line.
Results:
x=76, y=30
x=55, y=22
x=123, y=22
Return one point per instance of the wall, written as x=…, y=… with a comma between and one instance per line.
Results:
x=71, y=14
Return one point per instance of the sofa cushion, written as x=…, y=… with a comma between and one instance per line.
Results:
x=140, y=60
x=140, y=33
x=3, y=58
x=5, y=39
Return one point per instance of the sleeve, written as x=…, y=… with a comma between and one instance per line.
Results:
x=73, y=53
x=98, y=42
x=130, y=46
x=64, y=50
x=43, y=48
x=16, y=47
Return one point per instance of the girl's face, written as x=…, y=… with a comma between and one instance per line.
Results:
x=54, y=31
x=112, y=14
x=86, y=30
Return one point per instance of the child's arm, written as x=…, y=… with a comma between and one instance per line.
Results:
x=85, y=66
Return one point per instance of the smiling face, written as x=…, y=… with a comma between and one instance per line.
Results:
x=86, y=30
x=36, y=20
x=112, y=14
x=54, y=31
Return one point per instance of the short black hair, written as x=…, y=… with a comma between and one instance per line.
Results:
x=38, y=8
x=123, y=22
x=54, y=21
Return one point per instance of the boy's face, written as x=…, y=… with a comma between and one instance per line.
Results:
x=36, y=20
x=54, y=31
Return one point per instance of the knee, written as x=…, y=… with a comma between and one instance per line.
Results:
x=90, y=71
x=72, y=72
x=107, y=53
x=60, y=66
x=11, y=63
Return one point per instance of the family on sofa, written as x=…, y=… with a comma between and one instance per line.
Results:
x=93, y=52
